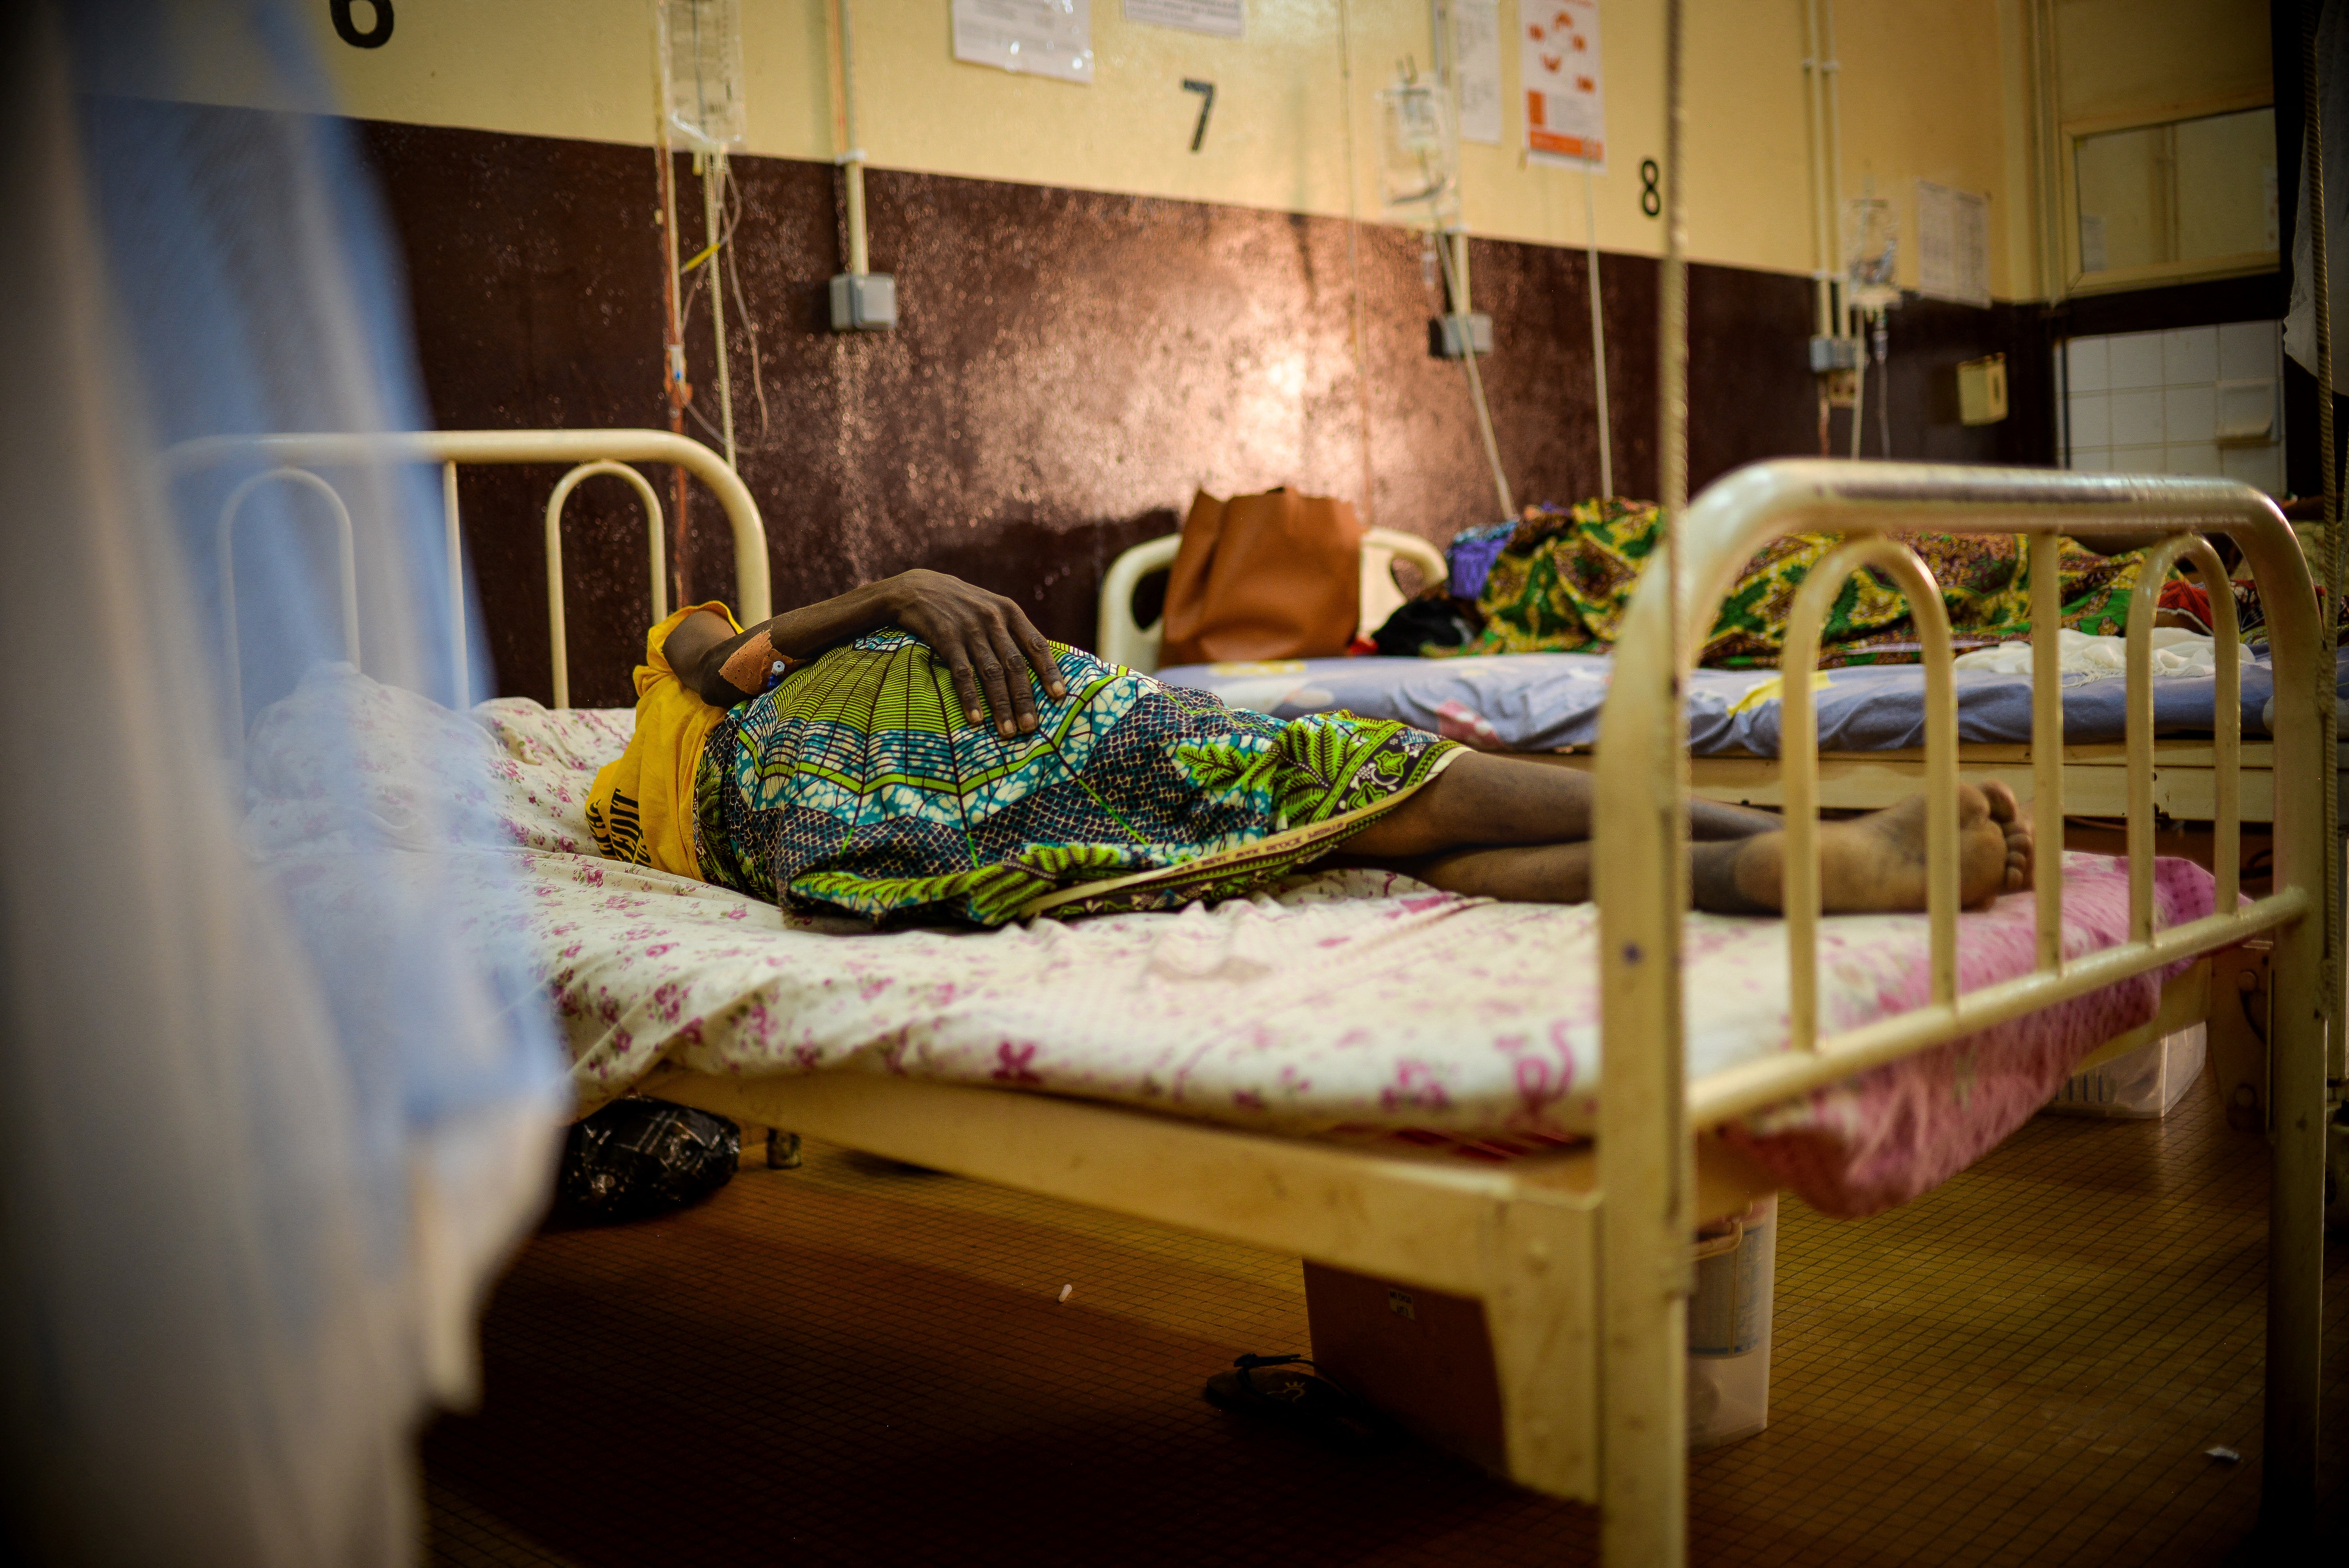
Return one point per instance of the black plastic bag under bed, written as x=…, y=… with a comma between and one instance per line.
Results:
x=637, y=1159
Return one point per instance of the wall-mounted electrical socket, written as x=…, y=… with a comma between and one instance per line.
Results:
x=1449, y=335
x=1837, y=361
x=864, y=302
x=1834, y=354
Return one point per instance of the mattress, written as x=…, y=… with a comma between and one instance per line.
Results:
x=1549, y=702
x=1356, y=1003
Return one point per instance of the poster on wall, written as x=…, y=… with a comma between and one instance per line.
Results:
x=1557, y=59
x=1223, y=18
x=1952, y=244
x=1476, y=68
x=1034, y=37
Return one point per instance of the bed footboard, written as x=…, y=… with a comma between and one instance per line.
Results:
x=1643, y=786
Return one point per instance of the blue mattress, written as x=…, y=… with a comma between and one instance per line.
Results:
x=1547, y=702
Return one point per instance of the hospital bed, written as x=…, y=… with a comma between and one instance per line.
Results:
x=1581, y=1256
x=1547, y=706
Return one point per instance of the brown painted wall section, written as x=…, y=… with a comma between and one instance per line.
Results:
x=1070, y=367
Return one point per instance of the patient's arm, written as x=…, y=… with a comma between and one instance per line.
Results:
x=987, y=641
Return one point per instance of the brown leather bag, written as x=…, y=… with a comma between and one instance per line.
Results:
x=1270, y=576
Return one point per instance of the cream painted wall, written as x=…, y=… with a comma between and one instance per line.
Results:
x=2150, y=58
x=1926, y=93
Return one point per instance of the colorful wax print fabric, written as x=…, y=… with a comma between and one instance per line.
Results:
x=857, y=784
x=1564, y=582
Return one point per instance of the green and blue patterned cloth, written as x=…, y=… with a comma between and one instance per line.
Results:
x=1563, y=584
x=858, y=784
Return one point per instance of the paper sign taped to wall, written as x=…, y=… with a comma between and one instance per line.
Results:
x=1476, y=68
x=1224, y=18
x=1558, y=60
x=1952, y=244
x=1035, y=38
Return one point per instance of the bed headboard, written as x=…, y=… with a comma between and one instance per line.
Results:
x=590, y=452
x=1122, y=639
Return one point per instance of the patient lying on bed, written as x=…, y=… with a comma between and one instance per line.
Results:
x=842, y=755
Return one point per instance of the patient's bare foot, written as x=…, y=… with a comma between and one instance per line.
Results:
x=1876, y=865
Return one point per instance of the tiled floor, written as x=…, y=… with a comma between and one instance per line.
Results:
x=854, y=1362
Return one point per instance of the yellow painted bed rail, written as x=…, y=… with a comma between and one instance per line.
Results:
x=1648, y=1111
x=589, y=453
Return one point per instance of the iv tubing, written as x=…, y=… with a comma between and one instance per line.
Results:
x=1884, y=388
x=1455, y=296
x=1598, y=339
x=713, y=189
x=1477, y=384
x=676, y=390
x=1858, y=404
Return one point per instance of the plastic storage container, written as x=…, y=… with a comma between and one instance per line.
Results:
x=1729, y=1328
x=2144, y=1085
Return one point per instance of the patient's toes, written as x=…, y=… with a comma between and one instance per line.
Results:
x=2001, y=801
x=2020, y=856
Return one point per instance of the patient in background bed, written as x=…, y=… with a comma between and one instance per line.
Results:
x=916, y=749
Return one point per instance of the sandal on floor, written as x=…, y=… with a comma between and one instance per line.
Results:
x=1302, y=1400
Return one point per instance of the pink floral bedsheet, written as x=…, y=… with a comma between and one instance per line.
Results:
x=1350, y=1001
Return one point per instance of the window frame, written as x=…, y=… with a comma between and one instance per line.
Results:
x=2114, y=280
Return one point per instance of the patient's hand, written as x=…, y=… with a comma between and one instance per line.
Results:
x=987, y=641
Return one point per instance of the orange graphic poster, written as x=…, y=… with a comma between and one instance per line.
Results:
x=1565, y=108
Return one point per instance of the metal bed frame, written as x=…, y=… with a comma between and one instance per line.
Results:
x=2185, y=768
x=291, y=458
x=1582, y=1259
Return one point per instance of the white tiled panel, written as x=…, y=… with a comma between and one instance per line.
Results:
x=2247, y=410
x=2190, y=413
x=2136, y=360
x=2250, y=351
x=2261, y=466
x=2189, y=400
x=2189, y=354
x=2088, y=365
x=2193, y=458
x=2091, y=419
x=2136, y=418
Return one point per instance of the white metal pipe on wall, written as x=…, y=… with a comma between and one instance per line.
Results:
x=1831, y=74
x=1823, y=248
x=852, y=153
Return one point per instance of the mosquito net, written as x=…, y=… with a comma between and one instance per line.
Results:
x=274, y=1113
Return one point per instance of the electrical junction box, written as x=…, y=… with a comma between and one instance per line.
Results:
x=864, y=302
x=1450, y=336
x=1836, y=361
x=1834, y=354
x=1981, y=391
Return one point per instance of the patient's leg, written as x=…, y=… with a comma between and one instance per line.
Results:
x=1868, y=864
x=1482, y=800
